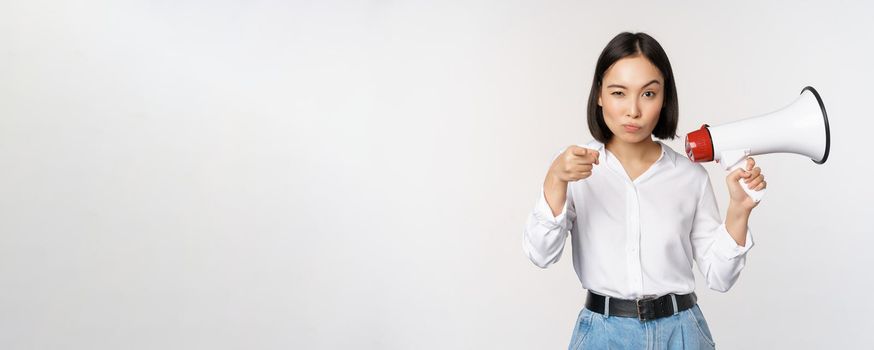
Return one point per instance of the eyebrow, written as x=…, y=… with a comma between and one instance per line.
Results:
x=623, y=87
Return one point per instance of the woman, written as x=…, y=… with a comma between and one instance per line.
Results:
x=638, y=212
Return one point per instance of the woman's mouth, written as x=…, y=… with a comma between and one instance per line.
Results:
x=630, y=127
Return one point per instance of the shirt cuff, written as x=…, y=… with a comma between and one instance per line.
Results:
x=727, y=247
x=544, y=212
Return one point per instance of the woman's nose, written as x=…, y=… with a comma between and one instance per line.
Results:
x=634, y=110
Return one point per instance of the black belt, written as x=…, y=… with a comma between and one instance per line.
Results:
x=648, y=308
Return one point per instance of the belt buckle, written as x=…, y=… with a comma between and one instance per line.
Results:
x=642, y=315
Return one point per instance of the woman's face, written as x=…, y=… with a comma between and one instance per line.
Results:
x=631, y=98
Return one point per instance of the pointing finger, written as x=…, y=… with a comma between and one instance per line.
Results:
x=580, y=151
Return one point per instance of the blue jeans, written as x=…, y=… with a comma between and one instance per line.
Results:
x=685, y=330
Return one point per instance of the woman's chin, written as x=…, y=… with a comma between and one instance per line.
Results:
x=633, y=138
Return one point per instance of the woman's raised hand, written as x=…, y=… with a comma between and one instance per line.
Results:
x=753, y=178
x=574, y=164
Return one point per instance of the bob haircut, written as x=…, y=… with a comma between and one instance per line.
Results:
x=626, y=45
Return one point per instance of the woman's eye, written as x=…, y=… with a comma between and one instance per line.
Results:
x=649, y=94
x=617, y=93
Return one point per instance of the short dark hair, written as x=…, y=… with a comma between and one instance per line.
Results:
x=631, y=44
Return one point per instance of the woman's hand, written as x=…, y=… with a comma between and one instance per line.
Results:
x=754, y=180
x=574, y=164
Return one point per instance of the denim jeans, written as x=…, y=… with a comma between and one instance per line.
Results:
x=685, y=330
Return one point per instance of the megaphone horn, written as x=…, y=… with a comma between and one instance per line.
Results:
x=799, y=128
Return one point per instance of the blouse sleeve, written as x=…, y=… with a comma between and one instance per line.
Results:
x=719, y=257
x=545, y=234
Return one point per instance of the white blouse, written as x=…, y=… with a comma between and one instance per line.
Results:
x=636, y=238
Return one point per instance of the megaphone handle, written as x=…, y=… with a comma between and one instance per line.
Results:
x=755, y=195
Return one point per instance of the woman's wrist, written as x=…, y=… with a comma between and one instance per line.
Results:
x=554, y=191
x=739, y=209
x=552, y=179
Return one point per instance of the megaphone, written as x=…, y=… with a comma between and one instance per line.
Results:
x=799, y=128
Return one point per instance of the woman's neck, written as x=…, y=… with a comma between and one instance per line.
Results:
x=646, y=151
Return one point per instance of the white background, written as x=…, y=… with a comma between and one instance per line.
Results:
x=315, y=175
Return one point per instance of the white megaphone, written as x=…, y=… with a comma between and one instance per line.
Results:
x=800, y=128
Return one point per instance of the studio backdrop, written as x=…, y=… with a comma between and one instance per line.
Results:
x=357, y=174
